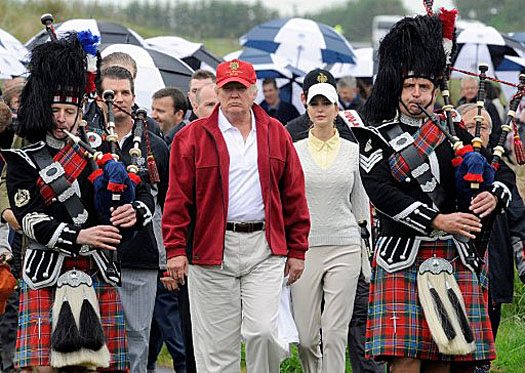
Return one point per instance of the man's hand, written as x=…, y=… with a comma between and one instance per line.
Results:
x=102, y=236
x=483, y=204
x=9, y=217
x=169, y=283
x=458, y=222
x=294, y=268
x=178, y=268
x=124, y=216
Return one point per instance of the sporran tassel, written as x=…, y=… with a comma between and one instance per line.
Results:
x=91, y=331
x=460, y=312
x=65, y=337
x=443, y=316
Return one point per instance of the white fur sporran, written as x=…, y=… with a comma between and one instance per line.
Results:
x=76, y=323
x=444, y=307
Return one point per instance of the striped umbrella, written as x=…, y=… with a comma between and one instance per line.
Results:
x=304, y=43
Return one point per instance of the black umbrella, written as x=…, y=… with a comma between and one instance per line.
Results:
x=109, y=32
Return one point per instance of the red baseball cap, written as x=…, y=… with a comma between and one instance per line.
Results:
x=235, y=71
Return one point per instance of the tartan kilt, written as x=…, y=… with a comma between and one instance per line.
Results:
x=396, y=325
x=34, y=324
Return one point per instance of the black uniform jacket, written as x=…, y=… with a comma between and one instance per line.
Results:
x=52, y=226
x=405, y=212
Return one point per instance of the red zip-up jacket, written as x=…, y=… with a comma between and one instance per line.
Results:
x=195, y=210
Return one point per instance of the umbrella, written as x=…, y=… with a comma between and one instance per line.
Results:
x=155, y=70
x=12, y=54
x=364, y=67
x=485, y=44
x=266, y=65
x=109, y=32
x=194, y=54
x=509, y=71
x=306, y=44
x=518, y=36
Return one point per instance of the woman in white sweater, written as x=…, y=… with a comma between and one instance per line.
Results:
x=337, y=201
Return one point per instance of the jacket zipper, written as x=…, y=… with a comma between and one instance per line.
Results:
x=222, y=190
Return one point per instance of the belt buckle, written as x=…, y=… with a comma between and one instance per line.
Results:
x=51, y=172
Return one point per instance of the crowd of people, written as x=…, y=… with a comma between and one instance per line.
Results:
x=215, y=221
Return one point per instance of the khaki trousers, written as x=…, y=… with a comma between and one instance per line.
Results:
x=332, y=273
x=238, y=299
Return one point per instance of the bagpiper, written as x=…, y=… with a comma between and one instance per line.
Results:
x=70, y=311
x=427, y=310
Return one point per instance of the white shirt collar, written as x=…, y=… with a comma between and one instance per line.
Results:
x=225, y=125
x=121, y=141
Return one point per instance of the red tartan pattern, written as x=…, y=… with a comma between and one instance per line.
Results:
x=396, y=326
x=426, y=139
x=73, y=163
x=34, y=325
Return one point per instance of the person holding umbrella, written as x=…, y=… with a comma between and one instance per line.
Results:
x=337, y=201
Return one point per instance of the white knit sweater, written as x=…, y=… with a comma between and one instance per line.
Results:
x=336, y=197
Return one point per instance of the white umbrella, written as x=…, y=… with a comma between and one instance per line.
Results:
x=12, y=53
x=155, y=70
x=364, y=67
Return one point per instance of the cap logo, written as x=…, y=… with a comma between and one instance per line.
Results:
x=234, y=69
x=322, y=78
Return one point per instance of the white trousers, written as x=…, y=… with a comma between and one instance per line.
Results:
x=332, y=273
x=238, y=299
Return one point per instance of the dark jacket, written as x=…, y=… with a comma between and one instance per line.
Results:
x=95, y=119
x=284, y=112
x=508, y=230
x=142, y=252
x=299, y=127
x=168, y=137
x=355, y=104
x=195, y=212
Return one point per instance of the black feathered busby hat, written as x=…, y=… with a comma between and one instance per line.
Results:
x=57, y=75
x=412, y=48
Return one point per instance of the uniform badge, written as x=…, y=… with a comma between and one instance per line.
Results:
x=21, y=197
x=322, y=78
x=94, y=139
x=368, y=145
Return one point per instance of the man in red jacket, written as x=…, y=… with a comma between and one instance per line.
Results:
x=236, y=212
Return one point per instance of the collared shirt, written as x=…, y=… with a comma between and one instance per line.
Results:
x=121, y=140
x=245, y=202
x=324, y=152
